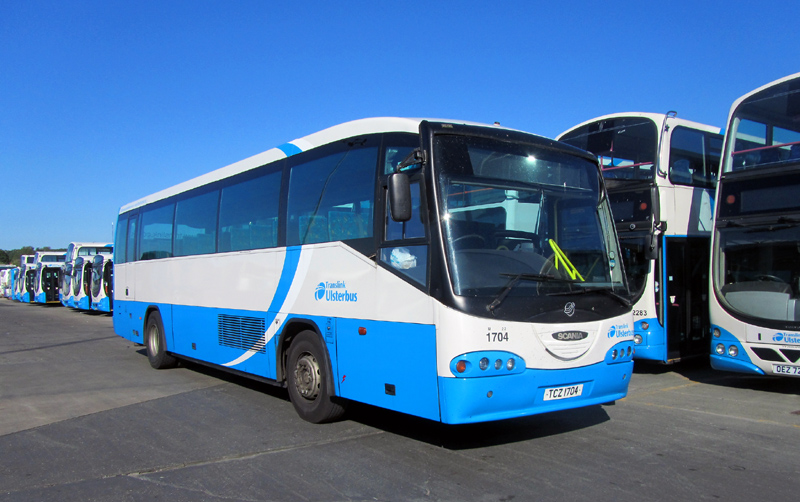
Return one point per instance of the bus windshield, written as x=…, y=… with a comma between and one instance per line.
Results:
x=764, y=129
x=758, y=269
x=516, y=211
x=626, y=146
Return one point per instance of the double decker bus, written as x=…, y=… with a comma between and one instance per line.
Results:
x=103, y=282
x=75, y=249
x=755, y=297
x=47, y=276
x=660, y=172
x=452, y=271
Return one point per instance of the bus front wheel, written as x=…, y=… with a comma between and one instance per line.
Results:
x=156, y=343
x=308, y=379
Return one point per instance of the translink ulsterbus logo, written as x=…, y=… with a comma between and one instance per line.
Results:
x=786, y=338
x=334, y=292
x=620, y=331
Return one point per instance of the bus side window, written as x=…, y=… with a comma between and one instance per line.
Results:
x=130, y=253
x=156, y=232
x=322, y=189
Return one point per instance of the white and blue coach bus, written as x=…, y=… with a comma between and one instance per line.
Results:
x=755, y=297
x=456, y=272
x=660, y=171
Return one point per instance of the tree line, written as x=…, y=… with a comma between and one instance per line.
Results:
x=11, y=256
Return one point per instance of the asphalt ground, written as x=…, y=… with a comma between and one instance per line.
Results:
x=84, y=417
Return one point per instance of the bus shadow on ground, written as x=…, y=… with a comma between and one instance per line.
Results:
x=478, y=435
x=699, y=370
x=453, y=437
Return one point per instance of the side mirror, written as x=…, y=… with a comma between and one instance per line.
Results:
x=400, y=197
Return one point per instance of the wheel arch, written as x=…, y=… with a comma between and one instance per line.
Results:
x=292, y=328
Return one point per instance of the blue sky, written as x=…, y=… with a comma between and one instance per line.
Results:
x=103, y=102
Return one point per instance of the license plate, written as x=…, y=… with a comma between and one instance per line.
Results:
x=785, y=369
x=563, y=392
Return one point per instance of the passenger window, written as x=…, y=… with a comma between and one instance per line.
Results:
x=120, y=238
x=156, y=235
x=694, y=157
x=130, y=253
x=248, y=214
x=332, y=198
x=196, y=225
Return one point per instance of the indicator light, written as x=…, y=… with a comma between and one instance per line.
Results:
x=461, y=366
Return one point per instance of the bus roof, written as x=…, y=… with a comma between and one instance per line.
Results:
x=794, y=76
x=658, y=118
x=373, y=125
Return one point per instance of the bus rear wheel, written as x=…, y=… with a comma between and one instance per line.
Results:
x=309, y=380
x=156, y=343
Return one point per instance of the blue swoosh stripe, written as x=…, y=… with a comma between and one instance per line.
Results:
x=289, y=149
x=290, y=263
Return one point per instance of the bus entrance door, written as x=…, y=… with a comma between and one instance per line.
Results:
x=686, y=297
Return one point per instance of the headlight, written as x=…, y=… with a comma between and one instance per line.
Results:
x=720, y=349
x=510, y=364
x=483, y=363
x=733, y=351
x=717, y=333
x=637, y=339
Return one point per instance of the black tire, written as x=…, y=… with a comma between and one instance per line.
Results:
x=156, y=343
x=309, y=379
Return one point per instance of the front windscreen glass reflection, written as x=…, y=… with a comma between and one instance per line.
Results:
x=758, y=270
x=626, y=146
x=511, y=209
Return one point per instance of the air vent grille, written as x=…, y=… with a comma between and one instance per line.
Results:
x=792, y=355
x=245, y=333
x=767, y=354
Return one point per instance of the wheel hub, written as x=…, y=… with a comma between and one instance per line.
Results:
x=307, y=376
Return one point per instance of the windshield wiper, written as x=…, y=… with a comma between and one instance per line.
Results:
x=513, y=282
x=598, y=289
